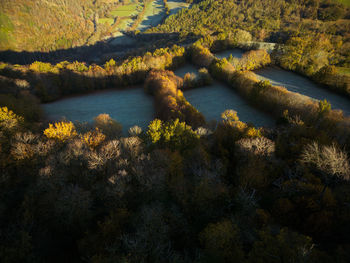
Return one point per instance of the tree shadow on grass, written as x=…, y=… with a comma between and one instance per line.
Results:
x=97, y=53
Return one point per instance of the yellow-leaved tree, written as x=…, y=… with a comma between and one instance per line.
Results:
x=8, y=119
x=61, y=131
x=231, y=119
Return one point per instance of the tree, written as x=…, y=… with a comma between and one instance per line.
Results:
x=221, y=242
x=93, y=138
x=9, y=120
x=286, y=246
x=306, y=54
x=110, y=127
x=329, y=160
x=60, y=131
x=230, y=119
x=324, y=107
x=172, y=134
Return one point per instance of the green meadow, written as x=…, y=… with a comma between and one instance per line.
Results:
x=6, y=28
x=126, y=10
x=345, y=2
x=344, y=71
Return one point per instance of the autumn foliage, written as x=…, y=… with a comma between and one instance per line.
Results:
x=60, y=131
x=170, y=102
x=93, y=138
x=8, y=119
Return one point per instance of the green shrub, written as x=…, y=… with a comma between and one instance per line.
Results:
x=173, y=134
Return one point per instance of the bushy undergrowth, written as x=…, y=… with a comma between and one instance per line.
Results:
x=172, y=194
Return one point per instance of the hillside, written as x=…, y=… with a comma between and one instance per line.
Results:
x=50, y=25
x=47, y=25
x=222, y=135
x=267, y=20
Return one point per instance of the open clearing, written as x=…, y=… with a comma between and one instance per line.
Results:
x=127, y=10
x=345, y=2
x=154, y=14
x=344, y=71
x=108, y=21
x=176, y=5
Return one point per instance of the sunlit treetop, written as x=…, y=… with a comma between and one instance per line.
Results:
x=60, y=131
x=8, y=119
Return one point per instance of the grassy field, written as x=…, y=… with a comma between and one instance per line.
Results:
x=125, y=24
x=109, y=21
x=6, y=29
x=153, y=15
x=344, y=71
x=127, y=10
x=345, y=2
x=176, y=5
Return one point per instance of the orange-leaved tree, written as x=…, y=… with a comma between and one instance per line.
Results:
x=93, y=138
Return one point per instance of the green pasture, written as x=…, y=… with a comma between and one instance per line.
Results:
x=126, y=10
x=344, y=71
x=6, y=28
x=345, y=2
x=154, y=14
x=125, y=23
x=109, y=21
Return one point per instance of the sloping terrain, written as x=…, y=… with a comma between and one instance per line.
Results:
x=46, y=25
x=266, y=20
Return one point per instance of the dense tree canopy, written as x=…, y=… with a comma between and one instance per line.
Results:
x=183, y=189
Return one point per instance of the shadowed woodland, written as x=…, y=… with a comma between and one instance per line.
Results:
x=184, y=189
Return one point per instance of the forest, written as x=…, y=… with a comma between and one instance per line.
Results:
x=271, y=21
x=184, y=188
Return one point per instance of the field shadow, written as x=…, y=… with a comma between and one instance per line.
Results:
x=154, y=19
x=97, y=53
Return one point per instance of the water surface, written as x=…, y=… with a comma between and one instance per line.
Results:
x=236, y=53
x=212, y=100
x=129, y=107
x=302, y=85
x=187, y=68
